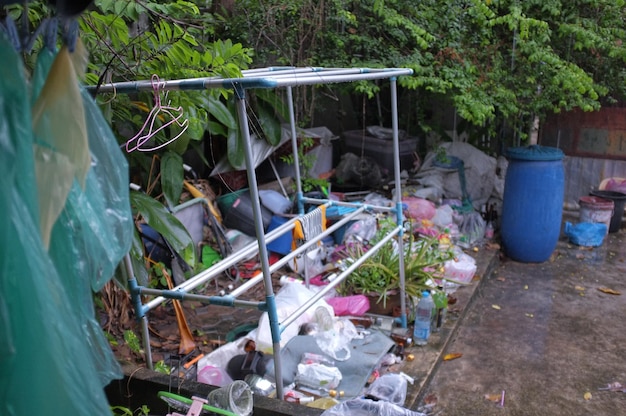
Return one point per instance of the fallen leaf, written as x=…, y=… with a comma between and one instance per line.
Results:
x=452, y=356
x=493, y=397
x=430, y=400
x=579, y=287
x=587, y=396
x=609, y=291
x=501, y=279
x=497, y=307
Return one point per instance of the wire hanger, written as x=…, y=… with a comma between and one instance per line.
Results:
x=174, y=114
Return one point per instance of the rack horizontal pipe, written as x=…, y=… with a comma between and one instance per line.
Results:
x=290, y=256
x=319, y=295
x=212, y=300
x=218, y=268
x=262, y=78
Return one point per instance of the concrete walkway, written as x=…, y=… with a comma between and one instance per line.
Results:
x=536, y=339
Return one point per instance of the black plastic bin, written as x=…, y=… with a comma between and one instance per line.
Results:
x=619, y=199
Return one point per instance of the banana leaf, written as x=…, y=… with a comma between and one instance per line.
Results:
x=166, y=224
x=172, y=175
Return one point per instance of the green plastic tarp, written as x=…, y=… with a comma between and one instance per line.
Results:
x=54, y=358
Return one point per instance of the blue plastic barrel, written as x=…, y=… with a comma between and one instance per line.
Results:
x=532, y=207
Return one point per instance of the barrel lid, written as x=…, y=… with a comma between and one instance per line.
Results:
x=535, y=152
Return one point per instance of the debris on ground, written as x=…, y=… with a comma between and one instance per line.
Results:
x=615, y=386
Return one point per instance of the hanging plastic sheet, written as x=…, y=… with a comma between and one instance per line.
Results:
x=93, y=233
x=46, y=367
x=61, y=145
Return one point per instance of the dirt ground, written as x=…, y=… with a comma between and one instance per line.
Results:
x=211, y=326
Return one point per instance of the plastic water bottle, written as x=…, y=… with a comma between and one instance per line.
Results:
x=423, y=317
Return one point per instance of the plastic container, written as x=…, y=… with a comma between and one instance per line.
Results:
x=214, y=376
x=619, y=199
x=423, y=319
x=282, y=244
x=274, y=201
x=532, y=207
x=225, y=201
x=240, y=215
x=235, y=397
x=381, y=150
x=594, y=209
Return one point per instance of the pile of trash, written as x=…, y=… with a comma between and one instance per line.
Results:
x=455, y=201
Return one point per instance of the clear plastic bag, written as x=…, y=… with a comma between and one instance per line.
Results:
x=390, y=388
x=366, y=407
x=472, y=228
x=334, y=335
x=288, y=300
x=363, y=229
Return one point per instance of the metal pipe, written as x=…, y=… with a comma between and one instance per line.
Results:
x=318, y=295
x=288, y=257
x=398, y=200
x=262, y=79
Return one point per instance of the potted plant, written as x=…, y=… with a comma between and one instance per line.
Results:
x=378, y=276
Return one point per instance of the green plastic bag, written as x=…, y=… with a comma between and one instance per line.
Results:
x=48, y=365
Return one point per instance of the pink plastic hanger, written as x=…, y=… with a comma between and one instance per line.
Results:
x=175, y=114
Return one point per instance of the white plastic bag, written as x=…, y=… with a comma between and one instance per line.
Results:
x=288, y=299
x=443, y=216
x=317, y=375
x=334, y=335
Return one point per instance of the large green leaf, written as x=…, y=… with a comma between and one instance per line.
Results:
x=235, y=148
x=223, y=114
x=172, y=177
x=269, y=123
x=273, y=100
x=166, y=224
x=235, y=144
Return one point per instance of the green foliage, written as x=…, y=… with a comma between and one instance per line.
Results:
x=379, y=273
x=161, y=367
x=162, y=221
x=499, y=63
x=131, y=339
x=125, y=411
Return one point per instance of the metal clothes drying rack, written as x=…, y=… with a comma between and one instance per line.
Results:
x=272, y=77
